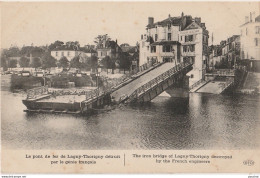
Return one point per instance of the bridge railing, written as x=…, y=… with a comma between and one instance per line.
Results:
x=96, y=93
x=127, y=76
x=158, y=80
x=36, y=92
x=222, y=72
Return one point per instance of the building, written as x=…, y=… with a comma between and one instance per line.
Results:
x=176, y=39
x=108, y=48
x=194, y=41
x=161, y=40
x=215, y=52
x=65, y=51
x=72, y=51
x=133, y=52
x=250, y=41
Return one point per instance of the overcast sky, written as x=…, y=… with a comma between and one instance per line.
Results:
x=44, y=23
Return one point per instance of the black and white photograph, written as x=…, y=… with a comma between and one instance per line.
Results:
x=130, y=76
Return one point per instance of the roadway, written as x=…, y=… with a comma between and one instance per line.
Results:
x=128, y=89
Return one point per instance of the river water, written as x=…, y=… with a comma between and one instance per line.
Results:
x=202, y=121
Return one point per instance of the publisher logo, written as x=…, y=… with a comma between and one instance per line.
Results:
x=249, y=162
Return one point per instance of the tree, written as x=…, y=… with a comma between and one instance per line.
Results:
x=13, y=63
x=24, y=62
x=56, y=44
x=124, y=61
x=124, y=45
x=101, y=40
x=75, y=63
x=12, y=52
x=93, y=62
x=113, y=64
x=48, y=61
x=36, y=62
x=64, y=62
x=74, y=44
x=106, y=62
x=4, y=61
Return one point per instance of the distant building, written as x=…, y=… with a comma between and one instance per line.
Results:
x=250, y=41
x=72, y=51
x=226, y=54
x=215, y=52
x=132, y=51
x=109, y=48
x=65, y=51
x=176, y=39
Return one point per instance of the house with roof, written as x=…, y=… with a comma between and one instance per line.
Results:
x=72, y=51
x=108, y=48
x=176, y=39
x=250, y=41
x=161, y=42
x=65, y=51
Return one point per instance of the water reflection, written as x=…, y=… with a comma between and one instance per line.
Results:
x=201, y=121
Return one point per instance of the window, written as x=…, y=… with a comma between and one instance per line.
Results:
x=257, y=29
x=169, y=36
x=169, y=26
x=191, y=76
x=246, y=31
x=256, y=42
x=181, y=38
x=189, y=48
x=103, y=53
x=57, y=53
x=153, y=49
x=68, y=53
x=189, y=38
x=167, y=48
x=156, y=36
x=62, y=53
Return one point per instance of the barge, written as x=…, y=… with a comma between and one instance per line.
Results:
x=41, y=100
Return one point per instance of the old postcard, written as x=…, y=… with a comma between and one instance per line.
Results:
x=130, y=87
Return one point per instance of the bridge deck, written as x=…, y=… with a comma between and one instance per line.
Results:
x=132, y=86
x=214, y=87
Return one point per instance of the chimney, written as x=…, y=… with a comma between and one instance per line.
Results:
x=150, y=20
x=197, y=20
x=203, y=25
x=253, y=16
x=169, y=16
x=246, y=19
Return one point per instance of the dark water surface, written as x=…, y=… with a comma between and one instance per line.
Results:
x=201, y=121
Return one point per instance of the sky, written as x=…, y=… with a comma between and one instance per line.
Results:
x=41, y=23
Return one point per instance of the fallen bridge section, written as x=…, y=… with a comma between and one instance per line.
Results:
x=153, y=83
x=215, y=87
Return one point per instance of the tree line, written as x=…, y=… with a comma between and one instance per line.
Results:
x=40, y=56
